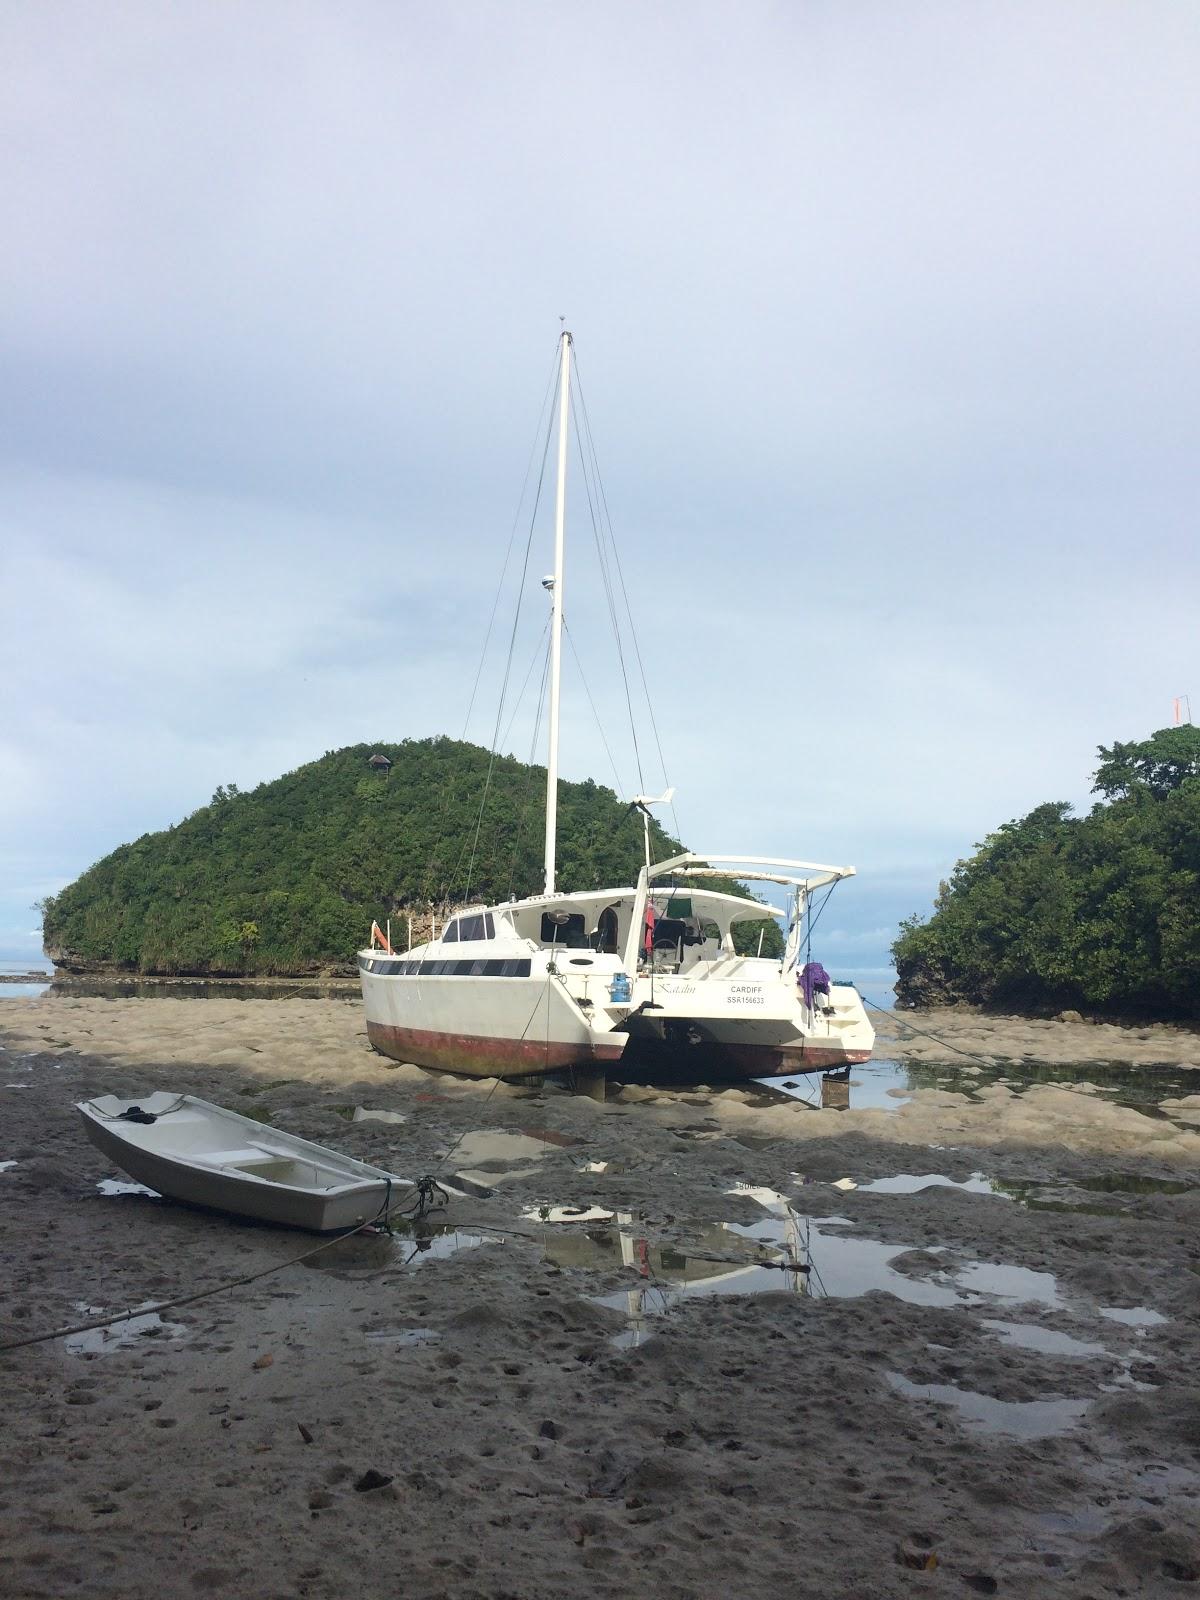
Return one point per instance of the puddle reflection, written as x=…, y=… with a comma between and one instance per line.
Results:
x=880, y=1085
x=913, y=1183
x=1023, y=1419
x=1021, y=1285
x=1133, y=1316
x=1043, y=1341
x=118, y=1335
x=885, y=1084
x=1043, y=1194
x=1131, y=1183
x=362, y=1255
x=112, y=1186
x=793, y=1254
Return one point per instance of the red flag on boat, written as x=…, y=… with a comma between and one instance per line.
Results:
x=651, y=919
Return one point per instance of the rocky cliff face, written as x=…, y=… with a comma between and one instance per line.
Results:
x=69, y=963
x=72, y=962
x=923, y=985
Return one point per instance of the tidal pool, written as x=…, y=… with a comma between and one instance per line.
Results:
x=362, y=1255
x=130, y=1330
x=886, y=1084
x=1022, y=1419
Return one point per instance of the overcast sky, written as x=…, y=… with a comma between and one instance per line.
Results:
x=886, y=316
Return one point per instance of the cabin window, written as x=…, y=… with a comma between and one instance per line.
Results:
x=605, y=937
x=478, y=926
x=564, y=927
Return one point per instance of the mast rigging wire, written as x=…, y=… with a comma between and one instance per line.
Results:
x=607, y=517
x=512, y=640
x=443, y=805
x=605, y=542
x=546, y=401
x=527, y=799
x=595, y=713
x=610, y=599
x=539, y=653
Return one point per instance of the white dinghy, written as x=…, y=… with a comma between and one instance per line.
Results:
x=190, y=1150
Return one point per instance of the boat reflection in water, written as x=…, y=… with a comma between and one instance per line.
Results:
x=719, y=1258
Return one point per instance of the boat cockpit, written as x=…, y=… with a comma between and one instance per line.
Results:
x=680, y=930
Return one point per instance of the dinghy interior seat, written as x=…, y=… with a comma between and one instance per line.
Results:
x=249, y=1157
x=278, y=1166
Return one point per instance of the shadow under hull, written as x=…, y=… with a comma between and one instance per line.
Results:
x=685, y=1060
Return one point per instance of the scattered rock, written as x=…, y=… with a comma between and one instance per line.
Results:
x=909, y=1553
x=917, y=1263
x=548, y=1430
x=371, y=1480
x=264, y=1361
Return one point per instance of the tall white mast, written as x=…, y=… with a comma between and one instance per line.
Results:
x=556, y=613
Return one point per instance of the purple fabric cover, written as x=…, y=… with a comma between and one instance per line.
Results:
x=813, y=980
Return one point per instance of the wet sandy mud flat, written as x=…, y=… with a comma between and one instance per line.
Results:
x=938, y=1339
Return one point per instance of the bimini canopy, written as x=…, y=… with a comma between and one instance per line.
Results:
x=713, y=903
x=801, y=874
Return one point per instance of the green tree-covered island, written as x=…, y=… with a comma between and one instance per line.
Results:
x=1100, y=912
x=286, y=879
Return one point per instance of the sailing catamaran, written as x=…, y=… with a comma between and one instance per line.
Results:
x=647, y=975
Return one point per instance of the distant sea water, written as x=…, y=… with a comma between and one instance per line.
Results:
x=11, y=964
x=875, y=984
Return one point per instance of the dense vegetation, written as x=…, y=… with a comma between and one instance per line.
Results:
x=1100, y=912
x=287, y=878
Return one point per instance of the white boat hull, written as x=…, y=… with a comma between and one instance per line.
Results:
x=204, y=1155
x=508, y=1027
x=748, y=1023
x=738, y=1019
